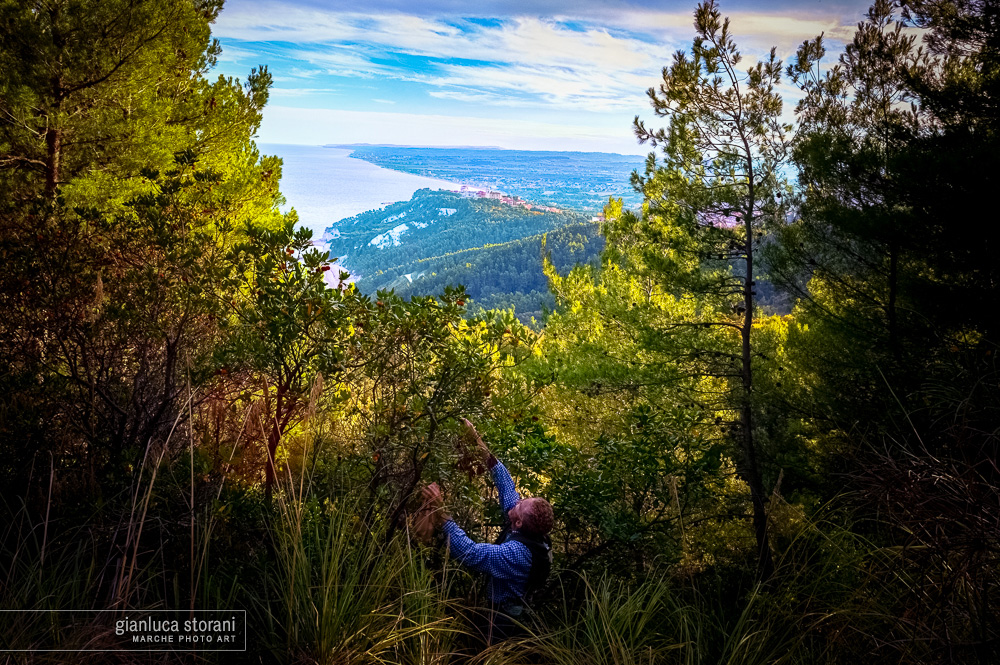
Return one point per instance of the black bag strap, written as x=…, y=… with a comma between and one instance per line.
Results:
x=541, y=560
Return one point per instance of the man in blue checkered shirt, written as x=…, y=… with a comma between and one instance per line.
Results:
x=508, y=564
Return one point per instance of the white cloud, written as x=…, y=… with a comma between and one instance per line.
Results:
x=534, y=40
x=755, y=33
x=541, y=40
x=546, y=42
x=279, y=22
x=537, y=61
x=602, y=63
x=236, y=54
x=337, y=60
x=532, y=61
x=595, y=90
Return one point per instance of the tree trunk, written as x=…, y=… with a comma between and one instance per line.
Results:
x=53, y=142
x=765, y=563
x=53, y=135
x=273, y=438
x=891, y=305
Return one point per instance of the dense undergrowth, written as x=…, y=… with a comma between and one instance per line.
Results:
x=322, y=581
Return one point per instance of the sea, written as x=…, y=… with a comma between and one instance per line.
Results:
x=325, y=185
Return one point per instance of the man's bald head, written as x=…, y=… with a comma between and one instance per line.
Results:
x=533, y=516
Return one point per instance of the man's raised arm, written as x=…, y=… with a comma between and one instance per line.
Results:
x=501, y=476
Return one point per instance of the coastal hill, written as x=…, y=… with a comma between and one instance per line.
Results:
x=486, y=241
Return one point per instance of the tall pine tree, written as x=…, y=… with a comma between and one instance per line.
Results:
x=714, y=190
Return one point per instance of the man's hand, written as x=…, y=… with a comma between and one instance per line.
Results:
x=433, y=497
x=434, y=504
x=470, y=430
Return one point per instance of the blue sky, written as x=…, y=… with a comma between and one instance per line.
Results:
x=532, y=74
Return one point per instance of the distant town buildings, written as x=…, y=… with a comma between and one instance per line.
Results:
x=467, y=192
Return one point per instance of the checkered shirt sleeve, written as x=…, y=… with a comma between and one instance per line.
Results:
x=507, y=564
x=505, y=486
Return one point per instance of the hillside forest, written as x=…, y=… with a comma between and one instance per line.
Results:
x=200, y=411
x=490, y=248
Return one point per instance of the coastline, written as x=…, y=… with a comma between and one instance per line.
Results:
x=327, y=185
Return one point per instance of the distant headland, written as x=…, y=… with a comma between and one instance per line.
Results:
x=399, y=145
